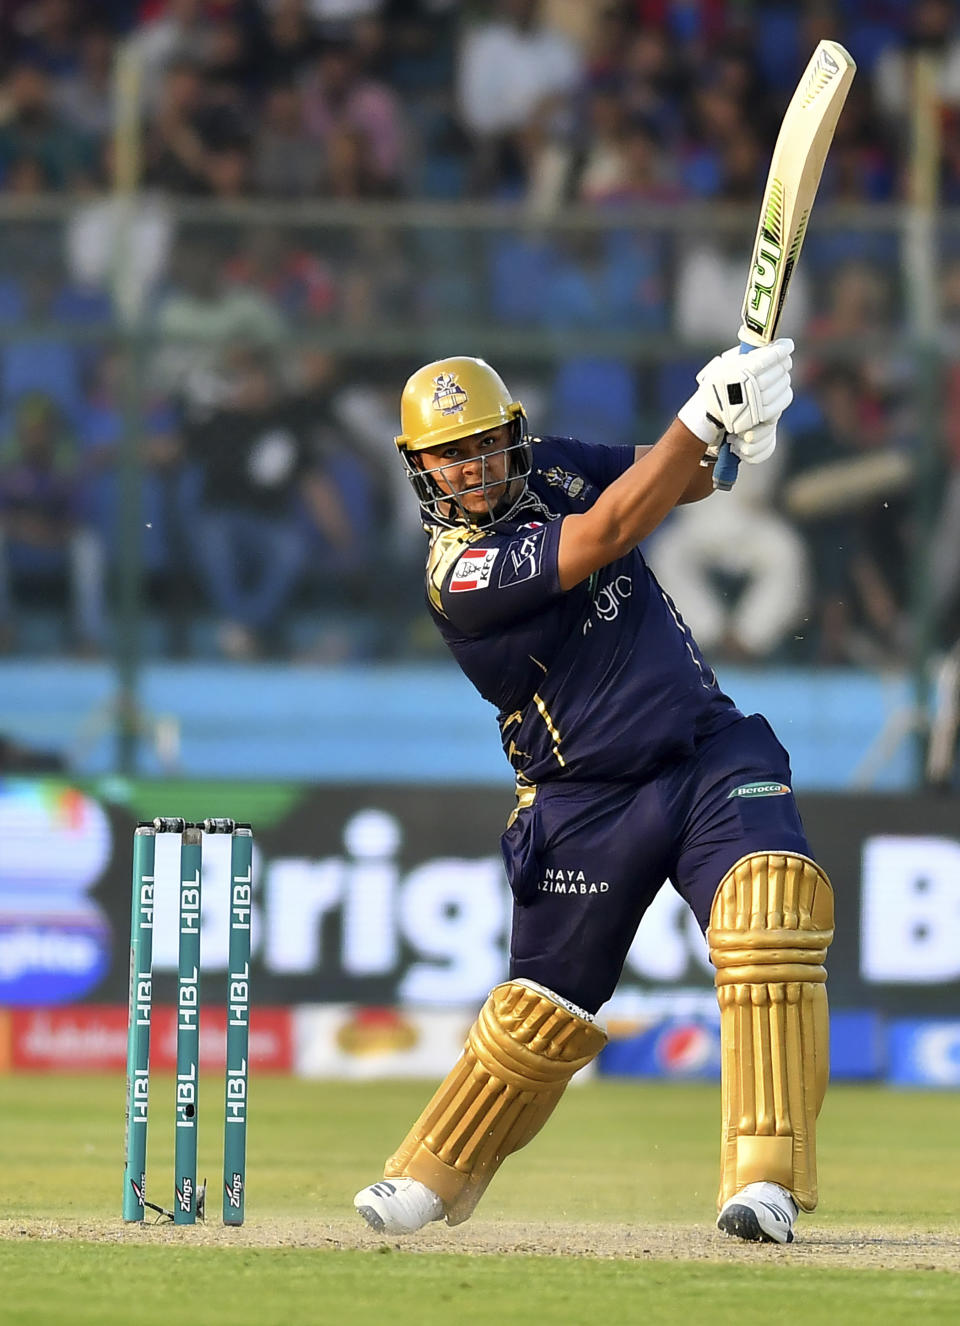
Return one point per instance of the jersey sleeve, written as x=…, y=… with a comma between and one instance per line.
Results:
x=497, y=580
x=598, y=463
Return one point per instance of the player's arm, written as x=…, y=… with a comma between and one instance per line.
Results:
x=632, y=507
x=739, y=395
x=699, y=487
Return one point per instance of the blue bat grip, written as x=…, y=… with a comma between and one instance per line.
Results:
x=727, y=464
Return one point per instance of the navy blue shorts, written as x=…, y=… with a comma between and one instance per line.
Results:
x=586, y=859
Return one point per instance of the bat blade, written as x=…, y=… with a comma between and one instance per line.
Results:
x=801, y=149
x=797, y=163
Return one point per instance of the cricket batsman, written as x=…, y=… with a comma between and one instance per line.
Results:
x=632, y=768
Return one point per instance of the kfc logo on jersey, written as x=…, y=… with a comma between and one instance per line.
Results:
x=473, y=570
x=523, y=557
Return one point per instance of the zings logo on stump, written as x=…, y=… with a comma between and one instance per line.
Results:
x=234, y=1191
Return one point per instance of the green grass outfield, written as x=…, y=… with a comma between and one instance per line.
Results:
x=605, y=1218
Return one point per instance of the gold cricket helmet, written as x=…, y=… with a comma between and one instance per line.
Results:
x=452, y=399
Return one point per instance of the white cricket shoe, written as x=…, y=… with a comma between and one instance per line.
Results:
x=398, y=1206
x=759, y=1213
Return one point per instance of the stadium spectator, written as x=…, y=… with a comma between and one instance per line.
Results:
x=34, y=134
x=84, y=97
x=849, y=490
x=931, y=29
x=191, y=134
x=41, y=359
x=740, y=571
x=179, y=31
x=715, y=121
x=281, y=269
x=515, y=83
x=378, y=283
x=175, y=150
x=228, y=66
x=650, y=81
x=859, y=301
x=363, y=409
x=333, y=17
x=357, y=120
x=287, y=162
x=288, y=43
x=627, y=164
x=602, y=165
x=199, y=319
x=48, y=36
x=103, y=425
x=861, y=166
x=228, y=172
x=945, y=543
x=858, y=316
x=43, y=543
x=256, y=476
x=950, y=161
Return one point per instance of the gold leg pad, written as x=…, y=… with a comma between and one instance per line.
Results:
x=519, y=1056
x=770, y=927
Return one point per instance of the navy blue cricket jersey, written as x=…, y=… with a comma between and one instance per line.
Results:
x=602, y=682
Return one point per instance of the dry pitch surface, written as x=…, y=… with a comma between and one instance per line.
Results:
x=623, y=1170
x=875, y=1247
x=606, y=1218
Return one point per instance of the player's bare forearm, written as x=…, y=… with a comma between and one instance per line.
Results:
x=634, y=505
x=699, y=487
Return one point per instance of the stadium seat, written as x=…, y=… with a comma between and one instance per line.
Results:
x=595, y=399
x=51, y=367
x=865, y=42
x=675, y=381
x=777, y=43
x=11, y=300
x=520, y=271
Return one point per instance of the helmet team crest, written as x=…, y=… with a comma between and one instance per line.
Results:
x=449, y=397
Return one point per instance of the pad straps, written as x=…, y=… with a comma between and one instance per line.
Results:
x=770, y=926
x=521, y=1052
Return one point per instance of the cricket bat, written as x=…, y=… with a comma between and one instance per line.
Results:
x=795, y=169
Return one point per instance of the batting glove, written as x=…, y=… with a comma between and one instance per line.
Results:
x=739, y=393
x=756, y=445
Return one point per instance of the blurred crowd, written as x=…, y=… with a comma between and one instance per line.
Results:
x=263, y=389
x=601, y=100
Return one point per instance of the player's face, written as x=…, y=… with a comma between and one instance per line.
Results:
x=474, y=468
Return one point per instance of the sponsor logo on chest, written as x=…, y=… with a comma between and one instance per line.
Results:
x=608, y=601
x=523, y=556
x=473, y=570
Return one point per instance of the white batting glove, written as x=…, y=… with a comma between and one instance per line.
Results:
x=756, y=445
x=740, y=392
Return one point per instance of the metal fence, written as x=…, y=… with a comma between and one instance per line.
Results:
x=144, y=343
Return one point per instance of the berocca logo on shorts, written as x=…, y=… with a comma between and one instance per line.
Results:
x=760, y=790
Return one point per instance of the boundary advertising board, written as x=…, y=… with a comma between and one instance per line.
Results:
x=385, y=895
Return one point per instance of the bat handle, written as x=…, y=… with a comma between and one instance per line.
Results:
x=727, y=464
